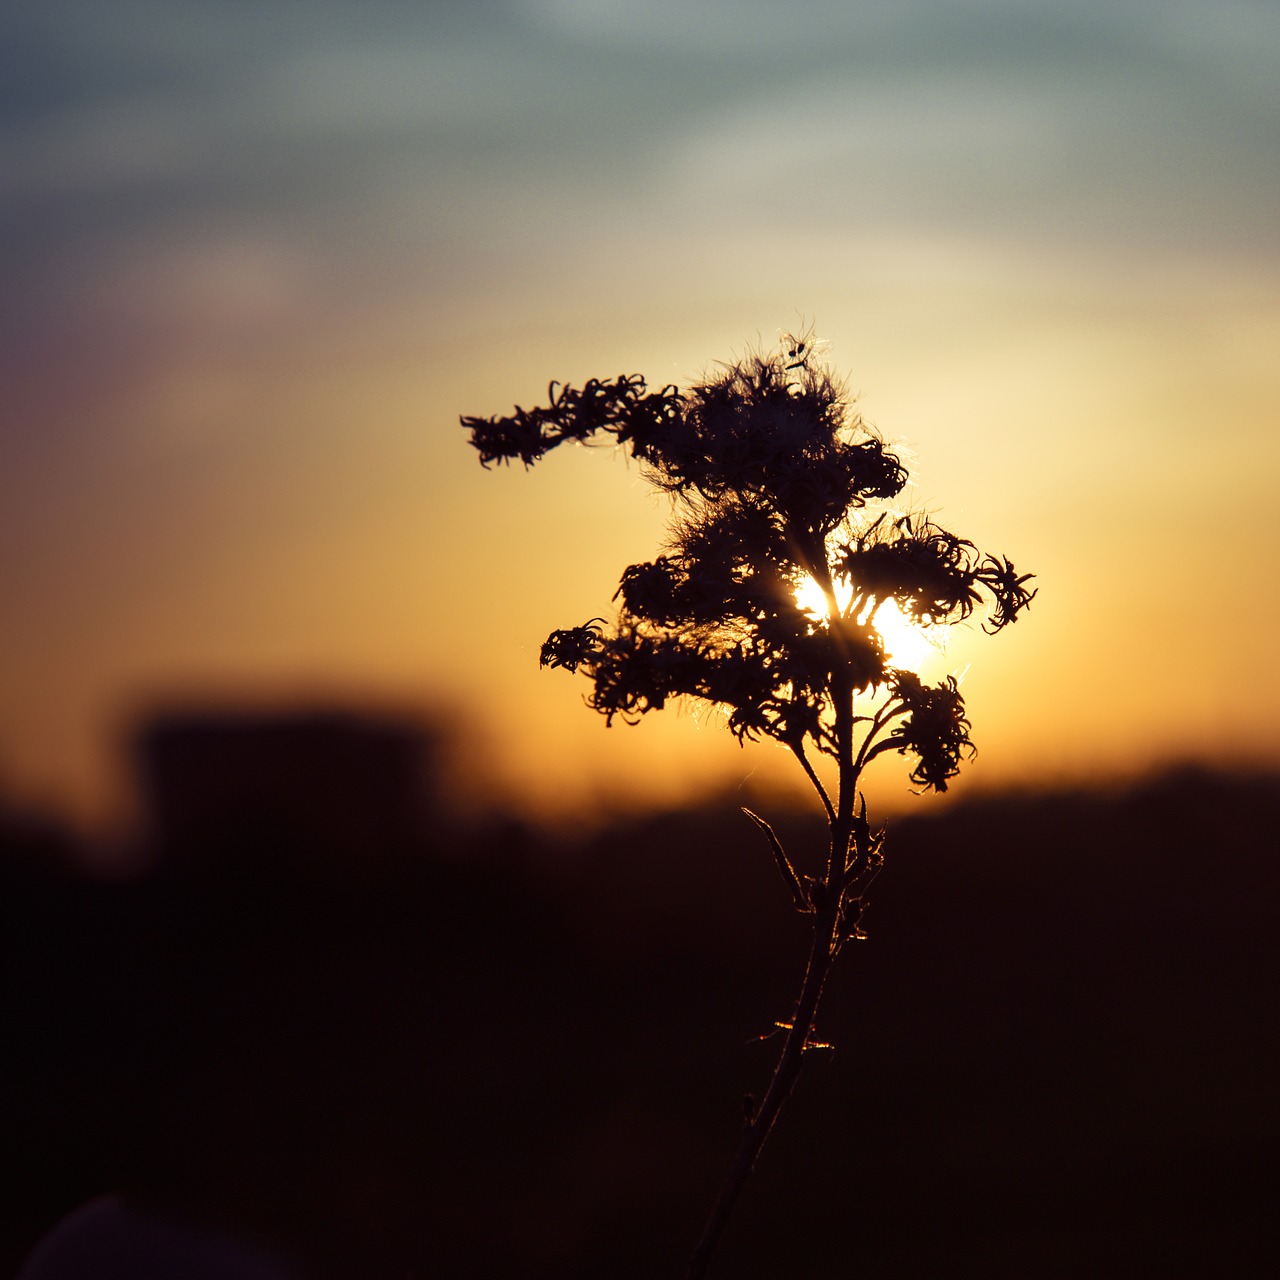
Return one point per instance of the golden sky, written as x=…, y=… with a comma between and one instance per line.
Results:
x=258, y=259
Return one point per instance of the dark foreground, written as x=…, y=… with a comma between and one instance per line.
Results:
x=1055, y=1056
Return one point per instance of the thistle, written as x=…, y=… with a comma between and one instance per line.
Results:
x=779, y=491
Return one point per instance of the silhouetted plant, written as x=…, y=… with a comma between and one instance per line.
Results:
x=777, y=483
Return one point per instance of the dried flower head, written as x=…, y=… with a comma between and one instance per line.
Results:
x=773, y=472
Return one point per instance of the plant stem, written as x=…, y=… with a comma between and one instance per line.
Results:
x=827, y=920
x=821, y=955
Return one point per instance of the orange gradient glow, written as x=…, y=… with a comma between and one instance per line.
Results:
x=248, y=297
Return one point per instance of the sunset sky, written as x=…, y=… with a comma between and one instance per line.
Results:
x=257, y=259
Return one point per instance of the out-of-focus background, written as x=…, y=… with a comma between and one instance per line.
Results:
x=329, y=916
x=381, y=1046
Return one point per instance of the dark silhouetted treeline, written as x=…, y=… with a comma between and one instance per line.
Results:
x=475, y=1054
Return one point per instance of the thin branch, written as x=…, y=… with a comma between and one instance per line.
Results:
x=798, y=751
x=879, y=721
x=798, y=895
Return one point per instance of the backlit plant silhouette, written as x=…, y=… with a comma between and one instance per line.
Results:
x=777, y=485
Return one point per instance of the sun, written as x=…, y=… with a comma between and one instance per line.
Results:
x=812, y=600
x=907, y=645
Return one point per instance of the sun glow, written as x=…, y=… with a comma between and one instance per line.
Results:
x=907, y=644
x=812, y=600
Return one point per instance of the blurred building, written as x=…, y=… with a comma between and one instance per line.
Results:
x=328, y=789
